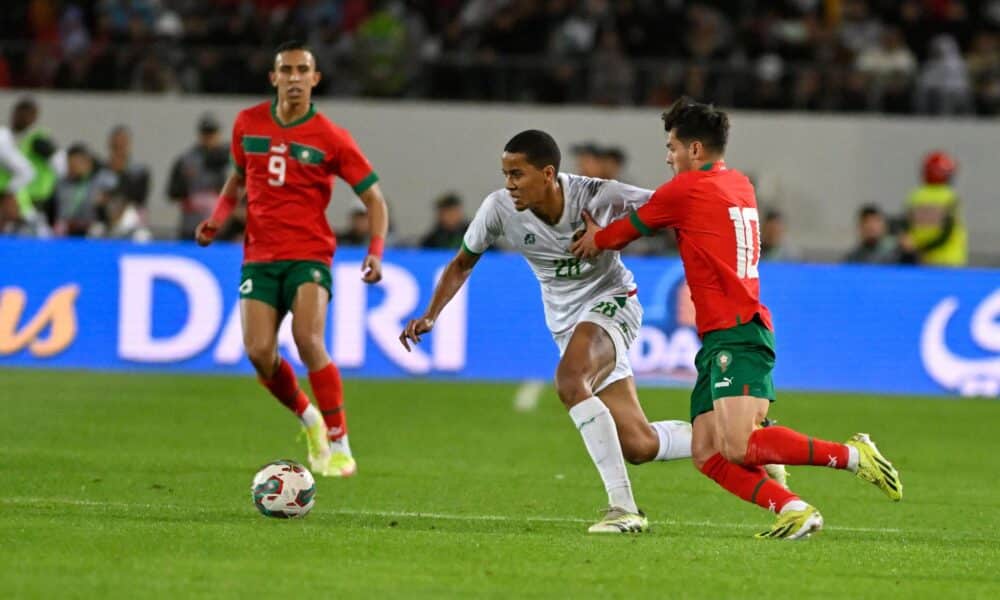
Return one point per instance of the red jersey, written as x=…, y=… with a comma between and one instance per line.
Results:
x=714, y=211
x=289, y=173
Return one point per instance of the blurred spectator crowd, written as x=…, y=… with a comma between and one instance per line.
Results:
x=52, y=191
x=905, y=56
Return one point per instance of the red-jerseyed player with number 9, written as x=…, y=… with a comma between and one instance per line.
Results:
x=285, y=156
x=714, y=210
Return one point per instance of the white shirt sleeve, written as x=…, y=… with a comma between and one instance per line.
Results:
x=21, y=171
x=618, y=199
x=486, y=227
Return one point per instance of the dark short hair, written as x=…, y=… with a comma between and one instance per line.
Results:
x=448, y=200
x=590, y=148
x=694, y=121
x=291, y=45
x=26, y=103
x=538, y=148
x=207, y=123
x=615, y=153
x=869, y=210
x=78, y=148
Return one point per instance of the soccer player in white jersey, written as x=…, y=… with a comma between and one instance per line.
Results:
x=591, y=308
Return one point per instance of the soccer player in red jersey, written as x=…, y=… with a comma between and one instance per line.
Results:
x=714, y=210
x=286, y=155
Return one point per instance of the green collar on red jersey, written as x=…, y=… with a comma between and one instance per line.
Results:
x=707, y=166
x=274, y=115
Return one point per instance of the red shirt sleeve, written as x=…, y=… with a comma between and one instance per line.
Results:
x=351, y=165
x=662, y=210
x=236, y=154
x=665, y=207
x=617, y=234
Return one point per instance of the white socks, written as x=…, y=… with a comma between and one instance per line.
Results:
x=793, y=505
x=310, y=416
x=853, y=457
x=593, y=419
x=675, y=439
x=341, y=445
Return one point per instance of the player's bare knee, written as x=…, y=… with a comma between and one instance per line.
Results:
x=571, y=384
x=700, y=453
x=698, y=461
x=311, y=350
x=262, y=356
x=734, y=447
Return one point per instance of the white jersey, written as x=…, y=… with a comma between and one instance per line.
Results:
x=568, y=285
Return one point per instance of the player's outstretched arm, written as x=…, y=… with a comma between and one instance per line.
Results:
x=378, y=224
x=452, y=280
x=228, y=197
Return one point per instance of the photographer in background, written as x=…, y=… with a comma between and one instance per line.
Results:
x=198, y=175
x=875, y=245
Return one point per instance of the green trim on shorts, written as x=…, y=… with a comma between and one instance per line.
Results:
x=734, y=362
x=277, y=282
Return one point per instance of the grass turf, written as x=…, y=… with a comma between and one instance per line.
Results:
x=138, y=486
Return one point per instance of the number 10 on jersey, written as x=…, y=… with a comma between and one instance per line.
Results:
x=747, y=225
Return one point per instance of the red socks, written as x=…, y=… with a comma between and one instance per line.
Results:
x=750, y=483
x=784, y=446
x=329, y=392
x=327, y=388
x=285, y=388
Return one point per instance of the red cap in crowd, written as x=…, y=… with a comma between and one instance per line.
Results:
x=939, y=167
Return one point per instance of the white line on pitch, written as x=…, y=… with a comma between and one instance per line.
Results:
x=527, y=395
x=425, y=515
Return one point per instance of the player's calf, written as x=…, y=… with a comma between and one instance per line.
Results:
x=639, y=446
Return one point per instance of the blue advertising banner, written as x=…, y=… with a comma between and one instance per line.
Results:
x=174, y=307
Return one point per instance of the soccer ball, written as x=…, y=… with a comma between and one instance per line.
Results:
x=283, y=489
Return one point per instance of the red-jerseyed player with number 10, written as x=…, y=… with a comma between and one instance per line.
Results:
x=714, y=211
x=286, y=155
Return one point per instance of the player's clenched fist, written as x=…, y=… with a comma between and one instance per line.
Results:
x=205, y=232
x=371, y=269
x=414, y=329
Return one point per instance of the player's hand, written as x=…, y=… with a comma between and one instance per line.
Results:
x=205, y=232
x=414, y=329
x=372, y=269
x=583, y=245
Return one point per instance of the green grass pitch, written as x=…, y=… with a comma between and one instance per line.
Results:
x=138, y=486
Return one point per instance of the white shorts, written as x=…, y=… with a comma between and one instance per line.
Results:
x=621, y=317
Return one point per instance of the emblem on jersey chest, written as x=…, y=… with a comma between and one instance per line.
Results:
x=529, y=239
